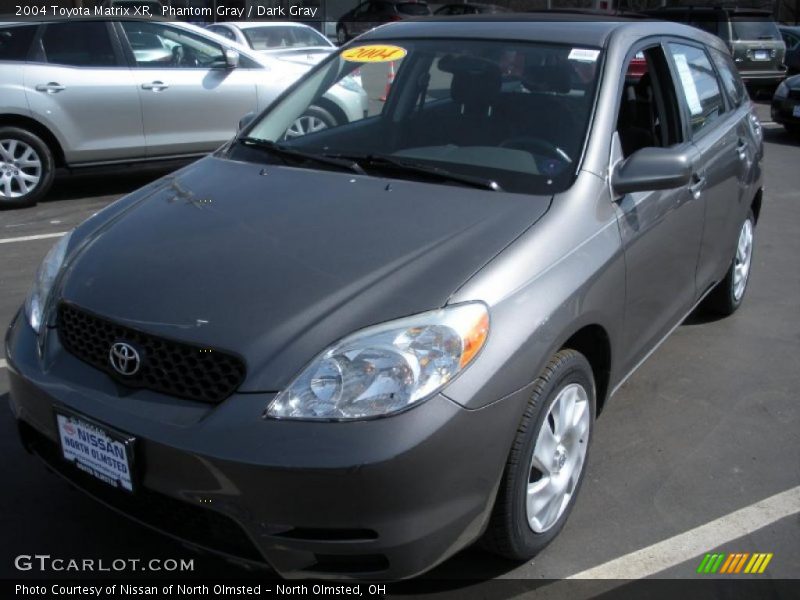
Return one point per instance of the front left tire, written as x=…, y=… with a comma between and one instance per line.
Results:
x=27, y=168
x=545, y=467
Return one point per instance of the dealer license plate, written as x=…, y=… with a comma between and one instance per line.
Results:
x=95, y=450
x=761, y=55
x=796, y=111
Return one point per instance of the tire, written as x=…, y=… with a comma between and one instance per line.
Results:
x=23, y=157
x=511, y=532
x=793, y=129
x=314, y=119
x=727, y=296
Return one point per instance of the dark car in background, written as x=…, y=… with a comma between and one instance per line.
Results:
x=752, y=36
x=372, y=13
x=791, y=37
x=786, y=104
x=469, y=8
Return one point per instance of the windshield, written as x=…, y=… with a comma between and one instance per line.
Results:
x=506, y=112
x=275, y=37
x=750, y=29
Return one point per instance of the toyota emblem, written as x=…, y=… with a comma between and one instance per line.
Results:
x=124, y=359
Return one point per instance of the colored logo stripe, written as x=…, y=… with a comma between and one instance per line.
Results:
x=735, y=562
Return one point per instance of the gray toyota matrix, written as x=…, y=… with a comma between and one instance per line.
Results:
x=352, y=353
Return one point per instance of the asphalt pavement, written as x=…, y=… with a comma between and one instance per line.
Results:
x=708, y=428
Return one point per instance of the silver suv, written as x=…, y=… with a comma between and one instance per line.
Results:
x=751, y=35
x=95, y=92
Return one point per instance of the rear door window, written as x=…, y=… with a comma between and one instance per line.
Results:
x=730, y=77
x=700, y=86
x=79, y=44
x=15, y=42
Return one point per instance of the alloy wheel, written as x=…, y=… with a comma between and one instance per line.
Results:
x=305, y=124
x=741, y=265
x=20, y=168
x=558, y=457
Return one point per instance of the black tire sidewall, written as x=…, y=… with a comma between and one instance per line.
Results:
x=48, y=166
x=575, y=369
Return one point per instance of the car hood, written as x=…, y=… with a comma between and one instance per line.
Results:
x=277, y=263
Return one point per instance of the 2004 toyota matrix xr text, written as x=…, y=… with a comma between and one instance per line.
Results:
x=355, y=352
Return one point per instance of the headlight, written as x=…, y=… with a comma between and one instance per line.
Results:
x=782, y=91
x=43, y=282
x=386, y=368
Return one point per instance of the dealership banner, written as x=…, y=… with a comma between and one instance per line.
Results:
x=320, y=11
x=251, y=586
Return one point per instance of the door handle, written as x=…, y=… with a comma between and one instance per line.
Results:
x=156, y=86
x=50, y=88
x=741, y=149
x=698, y=183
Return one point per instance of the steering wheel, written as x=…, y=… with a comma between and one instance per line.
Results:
x=184, y=57
x=178, y=56
x=536, y=145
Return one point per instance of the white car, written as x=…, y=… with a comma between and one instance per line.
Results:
x=281, y=39
x=84, y=92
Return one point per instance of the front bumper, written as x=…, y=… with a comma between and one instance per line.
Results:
x=381, y=499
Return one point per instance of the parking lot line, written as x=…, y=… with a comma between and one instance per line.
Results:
x=673, y=551
x=680, y=548
x=3, y=363
x=29, y=238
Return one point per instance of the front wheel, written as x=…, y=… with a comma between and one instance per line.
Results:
x=26, y=168
x=727, y=296
x=545, y=468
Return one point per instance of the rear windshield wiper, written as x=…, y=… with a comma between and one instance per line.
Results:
x=387, y=163
x=298, y=155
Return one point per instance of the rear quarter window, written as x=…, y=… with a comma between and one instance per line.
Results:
x=15, y=42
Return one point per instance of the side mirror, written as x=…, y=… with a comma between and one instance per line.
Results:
x=231, y=58
x=651, y=169
x=246, y=120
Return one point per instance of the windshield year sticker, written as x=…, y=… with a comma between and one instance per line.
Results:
x=584, y=55
x=374, y=53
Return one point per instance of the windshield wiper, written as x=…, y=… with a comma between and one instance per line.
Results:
x=387, y=163
x=298, y=155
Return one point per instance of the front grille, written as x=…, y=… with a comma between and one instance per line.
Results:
x=194, y=524
x=167, y=366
